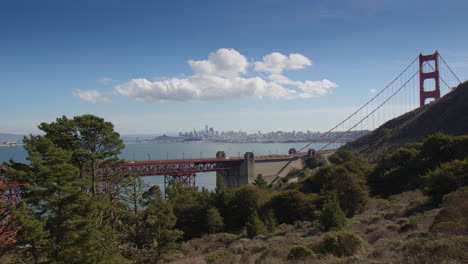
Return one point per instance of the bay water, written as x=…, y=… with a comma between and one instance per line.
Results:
x=190, y=150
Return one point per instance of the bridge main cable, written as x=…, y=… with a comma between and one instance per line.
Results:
x=372, y=112
x=362, y=107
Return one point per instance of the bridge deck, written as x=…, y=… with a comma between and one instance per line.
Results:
x=183, y=166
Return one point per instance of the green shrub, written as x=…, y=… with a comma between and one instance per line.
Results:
x=349, y=188
x=440, y=148
x=341, y=244
x=291, y=206
x=221, y=256
x=246, y=200
x=331, y=216
x=300, y=253
x=311, y=162
x=397, y=172
x=316, y=182
x=445, y=179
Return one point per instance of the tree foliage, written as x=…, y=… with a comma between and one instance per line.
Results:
x=291, y=206
x=397, y=172
x=254, y=225
x=331, y=216
x=214, y=222
x=260, y=182
x=447, y=178
x=62, y=216
x=349, y=188
x=89, y=138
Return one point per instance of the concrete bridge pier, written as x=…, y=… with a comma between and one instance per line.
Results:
x=244, y=175
x=271, y=167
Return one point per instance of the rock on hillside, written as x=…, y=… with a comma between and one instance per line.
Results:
x=448, y=115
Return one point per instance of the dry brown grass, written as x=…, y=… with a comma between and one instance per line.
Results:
x=395, y=231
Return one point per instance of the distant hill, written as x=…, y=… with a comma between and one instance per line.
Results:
x=10, y=137
x=164, y=138
x=448, y=115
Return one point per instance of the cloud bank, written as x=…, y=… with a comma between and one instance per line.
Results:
x=225, y=75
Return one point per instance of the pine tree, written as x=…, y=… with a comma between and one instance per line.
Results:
x=213, y=220
x=32, y=232
x=255, y=226
x=157, y=228
x=270, y=221
x=260, y=182
x=57, y=196
x=331, y=216
x=88, y=137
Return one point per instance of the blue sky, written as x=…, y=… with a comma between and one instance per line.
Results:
x=169, y=66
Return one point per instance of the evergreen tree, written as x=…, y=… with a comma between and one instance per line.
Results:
x=254, y=225
x=157, y=228
x=88, y=137
x=260, y=182
x=57, y=198
x=132, y=192
x=32, y=232
x=213, y=220
x=270, y=221
x=331, y=216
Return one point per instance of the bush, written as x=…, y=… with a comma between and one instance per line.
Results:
x=453, y=218
x=400, y=171
x=316, y=182
x=435, y=250
x=311, y=162
x=275, y=253
x=221, y=256
x=440, y=148
x=291, y=206
x=341, y=244
x=331, y=216
x=445, y=179
x=349, y=188
x=246, y=200
x=300, y=253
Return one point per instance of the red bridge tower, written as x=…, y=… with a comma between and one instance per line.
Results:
x=423, y=93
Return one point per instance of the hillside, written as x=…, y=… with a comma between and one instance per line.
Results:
x=448, y=115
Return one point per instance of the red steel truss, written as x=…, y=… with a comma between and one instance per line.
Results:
x=174, y=168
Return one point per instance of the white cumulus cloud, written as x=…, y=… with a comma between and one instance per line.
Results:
x=276, y=62
x=317, y=88
x=219, y=77
x=204, y=88
x=224, y=62
x=92, y=96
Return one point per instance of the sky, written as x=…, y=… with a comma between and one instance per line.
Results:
x=154, y=67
